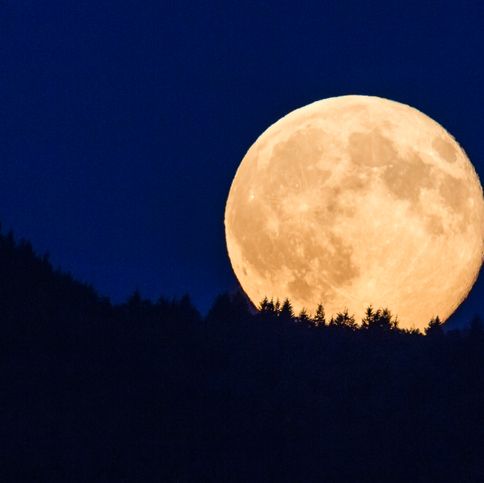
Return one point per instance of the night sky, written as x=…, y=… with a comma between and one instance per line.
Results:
x=122, y=123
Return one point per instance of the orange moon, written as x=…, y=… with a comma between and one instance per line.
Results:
x=357, y=200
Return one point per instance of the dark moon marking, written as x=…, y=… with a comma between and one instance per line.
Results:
x=445, y=149
x=371, y=149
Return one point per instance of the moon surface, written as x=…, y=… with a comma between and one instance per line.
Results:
x=357, y=200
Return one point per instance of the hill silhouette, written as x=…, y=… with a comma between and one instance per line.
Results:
x=153, y=391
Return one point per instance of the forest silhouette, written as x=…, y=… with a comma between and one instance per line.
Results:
x=153, y=391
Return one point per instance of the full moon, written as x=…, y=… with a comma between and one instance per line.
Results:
x=355, y=201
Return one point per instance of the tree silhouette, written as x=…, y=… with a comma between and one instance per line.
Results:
x=229, y=308
x=380, y=320
x=476, y=328
x=319, y=318
x=343, y=320
x=286, y=313
x=277, y=307
x=268, y=310
x=434, y=329
x=187, y=310
x=264, y=305
x=135, y=301
x=267, y=306
x=304, y=319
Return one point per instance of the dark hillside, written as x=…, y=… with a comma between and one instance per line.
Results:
x=154, y=392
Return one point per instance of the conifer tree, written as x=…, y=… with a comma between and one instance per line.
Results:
x=434, y=329
x=287, y=312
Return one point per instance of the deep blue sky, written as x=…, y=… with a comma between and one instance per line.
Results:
x=122, y=122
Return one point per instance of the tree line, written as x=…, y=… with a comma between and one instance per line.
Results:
x=380, y=320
